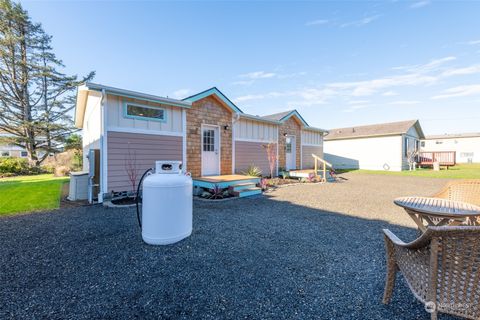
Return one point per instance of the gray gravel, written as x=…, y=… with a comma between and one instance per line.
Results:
x=301, y=252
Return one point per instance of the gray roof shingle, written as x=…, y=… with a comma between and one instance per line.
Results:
x=278, y=116
x=381, y=129
x=454, y=135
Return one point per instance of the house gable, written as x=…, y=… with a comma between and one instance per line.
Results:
x=208, y=110
x=295, y=115
x=217, y=94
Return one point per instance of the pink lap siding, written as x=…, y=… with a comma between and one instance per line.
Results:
x=248, y=153
x=145, y=150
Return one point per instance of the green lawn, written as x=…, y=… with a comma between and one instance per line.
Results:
x=460, y=171
x=30, y=193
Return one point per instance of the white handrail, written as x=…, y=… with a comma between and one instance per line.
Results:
x=324, y=166
x=322, y=160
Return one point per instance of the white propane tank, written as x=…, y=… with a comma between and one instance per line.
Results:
x=167, y=204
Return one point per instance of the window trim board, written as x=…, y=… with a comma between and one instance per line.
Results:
x=128, y=116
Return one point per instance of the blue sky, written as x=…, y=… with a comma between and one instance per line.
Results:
x=339, y=63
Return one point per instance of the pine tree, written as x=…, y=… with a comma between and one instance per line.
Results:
x=55, y=123
x=35, y=97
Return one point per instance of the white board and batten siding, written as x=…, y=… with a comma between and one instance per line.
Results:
x=116, y=120
x=372, y=153
x=141, y=141
x=250, y=137
x=312, y=143
x=92, y=126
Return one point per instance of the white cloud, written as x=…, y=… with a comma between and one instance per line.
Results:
x=251, y=77
x=243, y=82
x=419, y=4
x=473, y=42
x=291, y=75
x=462, y=71
x=405, y=102
x=181, y=93
x=249, y=97
x=258, y=75
x=427, y=67
x=389, y=93
x=358, y=101
x=355, y=108
x=361, y=22
x=361, y=93
x=460, y=91
x=316, y=22
x=370, y=87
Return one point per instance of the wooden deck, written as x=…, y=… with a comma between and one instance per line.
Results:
x=444, y=158
x=223, y=181
x=304, y=173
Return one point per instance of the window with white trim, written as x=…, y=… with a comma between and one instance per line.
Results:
x=5, y=154
x=407, y=146
x=466, y=154
x=208, y=140
x=23, y=154
x=140, y=111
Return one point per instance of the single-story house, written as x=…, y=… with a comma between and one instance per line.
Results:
x=465, y=145
x=11, y=150
x=206, y=131
x=382, y=146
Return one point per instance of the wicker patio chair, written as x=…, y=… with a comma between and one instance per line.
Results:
x=442, y=268
x=461, y=190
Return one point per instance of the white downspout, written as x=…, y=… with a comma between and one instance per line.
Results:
x=235, y=118
x=184, y=140
x=103, y=148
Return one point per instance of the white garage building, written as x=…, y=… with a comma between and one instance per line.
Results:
x=373, y=147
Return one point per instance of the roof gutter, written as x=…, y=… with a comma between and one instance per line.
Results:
x=138, y=95
x=257, y=118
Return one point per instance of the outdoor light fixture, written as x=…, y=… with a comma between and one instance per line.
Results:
x=225, y=127
x=284, y=134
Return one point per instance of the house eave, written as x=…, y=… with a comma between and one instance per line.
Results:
x=138, y=95
x=83, y=91
x=367, y=136
x=214, y=91
x=325, y=132
x=257, y=118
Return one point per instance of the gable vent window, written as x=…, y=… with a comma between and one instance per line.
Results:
x=144, y=112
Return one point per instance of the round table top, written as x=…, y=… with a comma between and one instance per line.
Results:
x=438, y=206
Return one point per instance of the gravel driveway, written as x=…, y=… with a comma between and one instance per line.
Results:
x=301, y=252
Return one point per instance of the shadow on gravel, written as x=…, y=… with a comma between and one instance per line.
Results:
x=249, y=258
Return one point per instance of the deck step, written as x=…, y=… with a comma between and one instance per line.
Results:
x=241, y=186
x=247, y=192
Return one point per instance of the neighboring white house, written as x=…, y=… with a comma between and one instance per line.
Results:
x=10, y=150
x=373, y=147
x=465, y=145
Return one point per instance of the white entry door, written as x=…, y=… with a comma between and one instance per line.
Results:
x=290, y=154
x=210, y=151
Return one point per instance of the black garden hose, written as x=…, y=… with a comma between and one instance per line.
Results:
x=138, y=195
